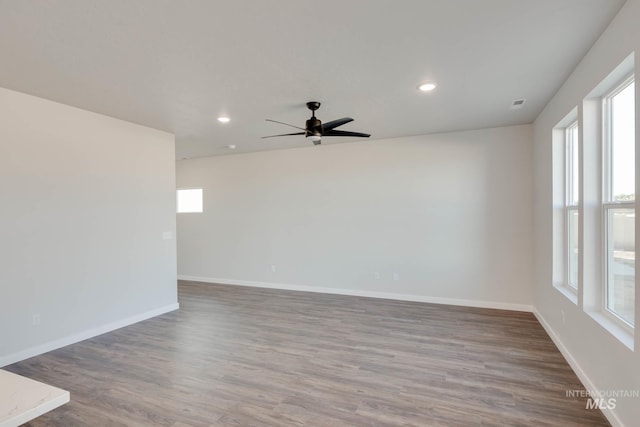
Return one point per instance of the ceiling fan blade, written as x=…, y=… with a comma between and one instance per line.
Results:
x=335, y=123
x=346, y=133
x=283, y=123
x=284, y=134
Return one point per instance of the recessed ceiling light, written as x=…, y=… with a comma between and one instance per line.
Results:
x=427, y=86
x=224, y=119
x=231, y=147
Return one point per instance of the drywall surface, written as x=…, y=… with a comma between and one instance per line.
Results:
x=85, y=202
x=444, y=218
x=604, y=362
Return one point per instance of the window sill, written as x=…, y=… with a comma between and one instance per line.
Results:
x=567, y=292
x=622, y=334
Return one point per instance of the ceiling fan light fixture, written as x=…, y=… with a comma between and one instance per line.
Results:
x=315, y=139
x=427, y=86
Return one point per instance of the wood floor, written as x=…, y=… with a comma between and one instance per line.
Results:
x=234, y=356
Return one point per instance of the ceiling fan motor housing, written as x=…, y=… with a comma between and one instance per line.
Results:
x=314, y=130
x=313, y=127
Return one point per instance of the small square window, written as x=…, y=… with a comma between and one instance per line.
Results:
x=190, y=200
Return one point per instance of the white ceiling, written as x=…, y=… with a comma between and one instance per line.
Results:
x=177, y=65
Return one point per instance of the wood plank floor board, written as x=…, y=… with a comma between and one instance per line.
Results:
x=235, y=356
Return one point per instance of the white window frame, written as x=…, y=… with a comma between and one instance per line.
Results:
x=572, y=201
x=562, y=206
x=594, y=127
x=608, y=203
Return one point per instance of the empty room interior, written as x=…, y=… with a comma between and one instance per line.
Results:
x=338, y=213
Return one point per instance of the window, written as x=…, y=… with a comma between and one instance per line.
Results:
x=594, y=177
x=572, y=191
x=566, y=210
x=189, y=200
x=619, y=172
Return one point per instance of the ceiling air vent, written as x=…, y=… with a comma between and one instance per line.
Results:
x=517, y=104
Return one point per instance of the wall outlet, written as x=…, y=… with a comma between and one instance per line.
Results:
x=396, y=276
x=167, y=235
x=376, y=275
x=35, y=320
x=273, y=268
x=563, y=318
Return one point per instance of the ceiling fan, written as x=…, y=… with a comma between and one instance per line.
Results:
x=314, y=130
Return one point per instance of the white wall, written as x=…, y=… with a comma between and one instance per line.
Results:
x=85, y=199
x=603, y=362
x=450, y=213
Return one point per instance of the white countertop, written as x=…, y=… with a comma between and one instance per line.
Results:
x=23, y=399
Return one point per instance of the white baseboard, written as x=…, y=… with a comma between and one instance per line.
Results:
x=582, y=376
x=361, y=293
x=90, y=333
